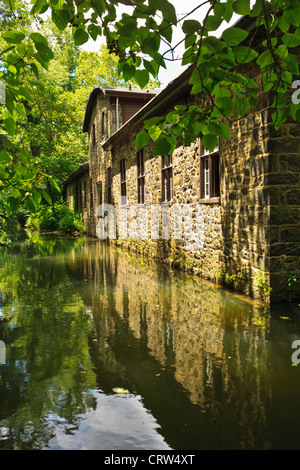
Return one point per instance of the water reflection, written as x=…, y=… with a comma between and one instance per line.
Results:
x=205, y=369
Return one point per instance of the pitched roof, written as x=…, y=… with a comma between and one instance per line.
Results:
x=83, y=167
x=121, y=92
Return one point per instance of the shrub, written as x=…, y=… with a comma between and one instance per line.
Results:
x=61, y=217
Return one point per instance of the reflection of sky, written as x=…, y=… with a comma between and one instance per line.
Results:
x=119, y=422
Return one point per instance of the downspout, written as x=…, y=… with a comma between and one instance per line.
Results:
x=117, y=112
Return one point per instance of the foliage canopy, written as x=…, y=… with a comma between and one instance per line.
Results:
x=142, y=36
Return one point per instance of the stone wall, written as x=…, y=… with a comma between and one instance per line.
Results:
x=78, y=197
x=283, y=186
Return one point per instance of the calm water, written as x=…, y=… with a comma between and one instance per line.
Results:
x=203, y=369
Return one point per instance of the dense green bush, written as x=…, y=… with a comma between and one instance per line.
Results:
x=60, y=217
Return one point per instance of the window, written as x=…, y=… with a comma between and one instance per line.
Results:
x=166, y=178
x=79, y=197
x=209, y=174
x=141, y=177
x=84, y=194
x=91, y=193
x=94, y=134
x=103, y=123
x=99, y=198
x=123, y=177
x=109, y=183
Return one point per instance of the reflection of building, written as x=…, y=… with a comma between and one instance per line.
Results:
x=199, y=342
x=247, y=189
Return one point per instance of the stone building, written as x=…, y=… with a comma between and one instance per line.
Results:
x=76, y=189
x=231, y=216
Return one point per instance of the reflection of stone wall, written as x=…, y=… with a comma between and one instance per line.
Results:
x=208, y=340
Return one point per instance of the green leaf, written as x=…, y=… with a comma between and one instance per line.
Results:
x=168, y=11
x=220, y=130
x=244, y=54
x=98, y=6
x=213, y=23
x=39, y=7
x=191, y=26
x=241, y=7
x=47, y=197
x=291, y=40
x=80, y=36
x=142, y=140
x=10, y=126
x=142, y=78
x=264, y=59
x=128, y=71
x=5, y=157
x=21, y=110
x=13, y=204
x=225, y=104
x=36, y=196
x=234, y=36
x=163, y=146
x=210, y=141
x=29, y=203
x=13, y=37
x=94, y=31
x=44, y=51
x=60, y=18
x=166, y=30
x=35, y=70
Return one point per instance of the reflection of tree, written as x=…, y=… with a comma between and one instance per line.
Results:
x=45, y=327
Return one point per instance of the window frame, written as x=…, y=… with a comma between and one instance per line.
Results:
x=209, y=175
x=141, y=177
x=91, y=194
x=166, y=179
x=123, y=177
x=109, y=185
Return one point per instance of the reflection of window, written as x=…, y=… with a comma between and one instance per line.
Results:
x=141, y=177
x=209, y=174
x=123, y=177
x=166, y=178
x=109, y=183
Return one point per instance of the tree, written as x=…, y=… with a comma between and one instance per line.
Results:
x=137, y=38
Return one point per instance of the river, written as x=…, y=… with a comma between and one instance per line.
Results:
x=105, y=350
